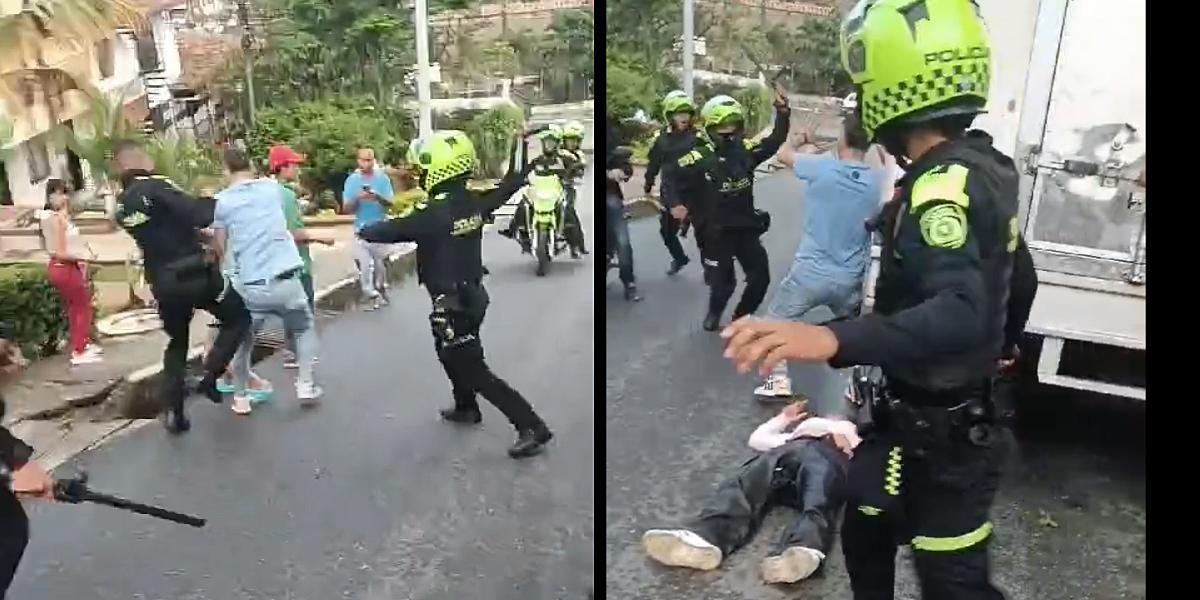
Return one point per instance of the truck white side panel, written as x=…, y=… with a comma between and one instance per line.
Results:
x=1086, y=109
x=1010, y=25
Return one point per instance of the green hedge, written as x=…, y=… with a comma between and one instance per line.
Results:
x=31, y=310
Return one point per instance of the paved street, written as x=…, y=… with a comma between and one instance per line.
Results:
x=1070, y=517
x=368, y=497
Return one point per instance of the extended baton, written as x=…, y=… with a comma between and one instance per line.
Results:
x=75, y=491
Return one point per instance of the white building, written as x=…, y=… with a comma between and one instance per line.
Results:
x=134, y=67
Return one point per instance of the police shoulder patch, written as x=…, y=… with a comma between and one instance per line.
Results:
x=944, y=226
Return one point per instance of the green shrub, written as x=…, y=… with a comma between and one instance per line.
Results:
x=329, y=132
x=756, y=100
x=492, y=133
x=31, y=308
x=193, y=167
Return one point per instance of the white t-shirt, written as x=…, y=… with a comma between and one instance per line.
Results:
x=775, y=433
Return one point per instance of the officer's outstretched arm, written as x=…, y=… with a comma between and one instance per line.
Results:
x=499, y=196
x=412, y=226
x=770, y=145
x=940, y=254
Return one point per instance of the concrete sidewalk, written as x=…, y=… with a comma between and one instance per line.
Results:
x=62, y=410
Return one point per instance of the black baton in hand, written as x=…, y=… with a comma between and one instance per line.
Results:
x=76, y=491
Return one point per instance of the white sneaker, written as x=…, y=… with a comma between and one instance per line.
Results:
x=94, y=348
x=87, y=357
x=775, y=386
x=289, y=361
x=792, y=565
x=681, y=548
x=308, y=393
x=241, y=404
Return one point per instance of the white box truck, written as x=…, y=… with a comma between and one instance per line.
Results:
x=1068, y=103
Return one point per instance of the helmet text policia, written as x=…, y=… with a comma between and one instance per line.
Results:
x=444, y=155
x=722, y=110
x=677, y=101
x=916, y=60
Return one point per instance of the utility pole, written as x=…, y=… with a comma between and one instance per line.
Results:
x=689, y=41
x=425, y=111
x=243, y=12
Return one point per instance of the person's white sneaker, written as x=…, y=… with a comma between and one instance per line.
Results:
x=87, y=357
x=681, y=548
x=241, y=404
x=308, y=393
x=775, y=386
x=792, y=565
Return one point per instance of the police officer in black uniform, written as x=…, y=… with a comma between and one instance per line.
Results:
x=19, y=476
x=447, y=228
x=926, y=473
x=679, y=137
x=728, y=226
x=166, y=222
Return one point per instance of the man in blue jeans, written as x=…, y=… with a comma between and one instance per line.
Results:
x=842, y=194
x=249, y=226
x=618, y=170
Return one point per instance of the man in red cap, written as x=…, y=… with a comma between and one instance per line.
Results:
x=284, y=164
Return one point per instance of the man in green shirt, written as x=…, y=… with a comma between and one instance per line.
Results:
x=284, y=164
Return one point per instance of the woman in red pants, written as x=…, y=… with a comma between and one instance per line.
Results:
x=67, y=270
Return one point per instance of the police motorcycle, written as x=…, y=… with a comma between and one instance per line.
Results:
x=543, y=210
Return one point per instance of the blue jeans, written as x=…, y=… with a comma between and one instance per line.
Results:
x=284, y=298
x=801, y=291
x=618, y=243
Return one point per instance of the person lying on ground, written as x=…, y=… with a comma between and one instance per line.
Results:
x=802, y=464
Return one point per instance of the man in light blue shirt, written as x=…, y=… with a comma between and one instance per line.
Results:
x=842, y=193
x=368, y=193
x=251, y=232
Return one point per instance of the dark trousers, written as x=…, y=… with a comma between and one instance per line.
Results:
x=719, y=248
x=456, y=319
x=617, y=241
x=14, y=536
x=806, y=474
x=572, y=228
x=176, y=312
x=668, y=228
x=937, y=503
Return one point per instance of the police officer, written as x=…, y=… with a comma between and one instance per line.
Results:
x=927, y=474
x=19, y=478
x=447, y=229
x=678, y=138
x=166, y=222
x=728, y=226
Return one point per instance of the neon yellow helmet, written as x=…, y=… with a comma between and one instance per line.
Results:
x=573, y=130
x=915, y=61
x=722, y=110
x=444, y=155
x=677, y=101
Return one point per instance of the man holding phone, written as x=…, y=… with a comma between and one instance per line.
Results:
x=368, y=194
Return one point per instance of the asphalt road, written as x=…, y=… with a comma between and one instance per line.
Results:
x=1070, y=517
x=369, y=496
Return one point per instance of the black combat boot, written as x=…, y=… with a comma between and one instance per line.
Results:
x=530, y=441
x=464, y=417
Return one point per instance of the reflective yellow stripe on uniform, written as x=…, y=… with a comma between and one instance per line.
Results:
x=952, y=544
x=689, y=158
x=870, y=511
x=947, y=184
x=944, y=223
x=891, y=481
